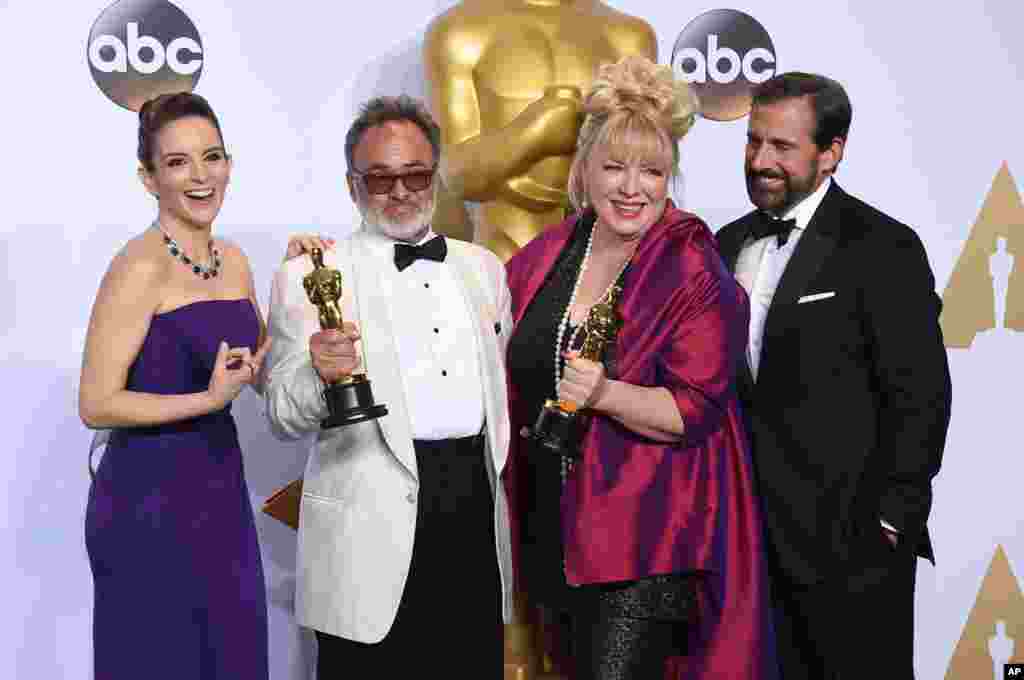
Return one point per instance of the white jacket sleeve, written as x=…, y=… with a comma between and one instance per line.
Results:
x=293, y=389
x=504, y=309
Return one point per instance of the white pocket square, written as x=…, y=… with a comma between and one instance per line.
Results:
x=816, y=296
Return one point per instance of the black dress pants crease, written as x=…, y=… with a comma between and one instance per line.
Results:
x=854, y=628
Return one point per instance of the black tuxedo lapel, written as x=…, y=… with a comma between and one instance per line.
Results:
x=730, y=243
x=814, y=247
x=731, y=239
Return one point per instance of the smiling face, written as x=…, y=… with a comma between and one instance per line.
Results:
x=190, y=172
x=394, y=148
x=627, y=184
x=783, y=164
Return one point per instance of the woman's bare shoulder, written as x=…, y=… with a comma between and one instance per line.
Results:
x=142, y=264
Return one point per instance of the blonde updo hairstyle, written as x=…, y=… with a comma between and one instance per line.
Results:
x=639, y=110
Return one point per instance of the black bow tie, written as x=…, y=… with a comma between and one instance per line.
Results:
x=766, y=225
x=435, y=249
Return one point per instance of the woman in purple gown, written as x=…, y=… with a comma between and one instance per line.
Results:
x=173, y=338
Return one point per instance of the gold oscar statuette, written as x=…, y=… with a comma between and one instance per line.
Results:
x=349, y=400
x=556, y=423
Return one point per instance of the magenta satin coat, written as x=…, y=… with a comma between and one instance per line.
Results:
x=633, y=507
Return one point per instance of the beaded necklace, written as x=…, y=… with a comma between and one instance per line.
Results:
x=564, y=323
x=177, y=252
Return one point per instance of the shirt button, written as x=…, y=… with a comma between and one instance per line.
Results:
x=411, y=497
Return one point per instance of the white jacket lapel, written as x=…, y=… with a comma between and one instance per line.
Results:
x=380, y=356
x=485, y=317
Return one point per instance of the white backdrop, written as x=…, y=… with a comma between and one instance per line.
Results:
x=937, y=99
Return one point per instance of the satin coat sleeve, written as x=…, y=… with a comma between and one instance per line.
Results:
x=708, y=320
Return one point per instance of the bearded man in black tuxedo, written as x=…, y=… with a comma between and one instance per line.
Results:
x=846, y=388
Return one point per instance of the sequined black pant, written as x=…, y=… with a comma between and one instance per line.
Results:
x=624, y=648
x=622, y=631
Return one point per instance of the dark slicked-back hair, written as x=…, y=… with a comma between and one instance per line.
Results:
x=832, y=109
x=165, y=109
x=382, y=110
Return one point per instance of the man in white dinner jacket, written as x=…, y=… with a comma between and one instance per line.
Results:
x=404, y=559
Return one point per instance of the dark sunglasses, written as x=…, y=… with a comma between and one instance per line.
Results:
x=383, y=183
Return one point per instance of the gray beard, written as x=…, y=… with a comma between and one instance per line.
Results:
x=404, y=231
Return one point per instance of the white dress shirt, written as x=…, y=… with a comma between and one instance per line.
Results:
x=436, y=345
x=761, y=263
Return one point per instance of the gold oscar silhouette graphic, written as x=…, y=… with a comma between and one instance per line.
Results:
x=994, y=624
x=986, y=289
x=506, y=83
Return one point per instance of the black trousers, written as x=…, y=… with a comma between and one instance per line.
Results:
x=449, y=620
x=858, y=627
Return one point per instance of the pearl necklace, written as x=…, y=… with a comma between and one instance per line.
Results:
x=204, y=271
x=564, y=323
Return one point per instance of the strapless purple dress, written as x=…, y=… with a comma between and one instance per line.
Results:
x=179, y=590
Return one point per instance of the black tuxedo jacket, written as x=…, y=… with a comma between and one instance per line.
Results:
x=849, y=413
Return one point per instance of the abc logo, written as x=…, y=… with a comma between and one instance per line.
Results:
x=723, y=54
x=139, y=49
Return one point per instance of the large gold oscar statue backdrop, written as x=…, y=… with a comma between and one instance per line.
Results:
x=506, y=82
